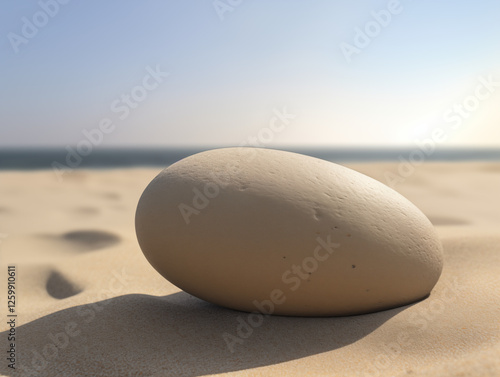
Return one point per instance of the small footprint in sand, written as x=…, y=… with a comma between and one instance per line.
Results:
x=81, y=240
x=59, y=287
x=87, y=240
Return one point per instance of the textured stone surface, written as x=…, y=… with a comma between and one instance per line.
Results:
x=283, y=233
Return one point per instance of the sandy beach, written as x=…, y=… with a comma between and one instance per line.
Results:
x=89, y=304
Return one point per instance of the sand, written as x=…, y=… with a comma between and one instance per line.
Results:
x=89, y=304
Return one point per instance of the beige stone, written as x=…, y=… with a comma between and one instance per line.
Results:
x=283, y=233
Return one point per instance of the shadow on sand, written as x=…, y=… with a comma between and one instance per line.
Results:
x=175, y=335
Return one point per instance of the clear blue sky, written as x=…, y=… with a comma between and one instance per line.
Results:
x=231, y=69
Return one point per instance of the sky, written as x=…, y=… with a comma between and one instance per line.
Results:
x=125, y=73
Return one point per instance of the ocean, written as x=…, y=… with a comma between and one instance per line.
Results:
x=29, y=159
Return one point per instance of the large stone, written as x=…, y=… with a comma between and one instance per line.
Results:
x=283, y=233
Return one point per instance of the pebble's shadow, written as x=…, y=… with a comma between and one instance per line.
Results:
x=175, y=335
